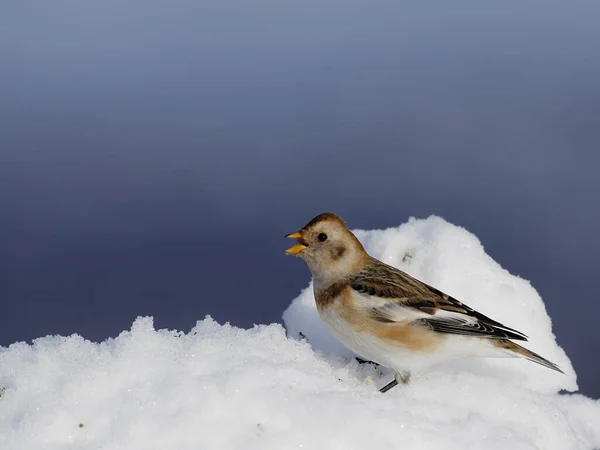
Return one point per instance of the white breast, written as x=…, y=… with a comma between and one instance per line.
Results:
x=360, y=343
x=397, y=357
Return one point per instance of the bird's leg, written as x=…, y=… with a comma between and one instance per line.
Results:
x=388, y=386
x=400, y=377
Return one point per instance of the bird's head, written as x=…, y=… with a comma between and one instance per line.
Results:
x=329, y=249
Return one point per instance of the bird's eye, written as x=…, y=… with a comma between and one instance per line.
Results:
x=322, y=237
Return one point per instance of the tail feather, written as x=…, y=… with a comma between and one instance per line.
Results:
x=527, y=354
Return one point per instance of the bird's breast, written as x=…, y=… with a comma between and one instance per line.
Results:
x=389, y=344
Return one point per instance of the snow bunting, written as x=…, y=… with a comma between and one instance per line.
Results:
x=383, y=314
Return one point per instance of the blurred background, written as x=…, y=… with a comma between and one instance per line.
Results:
x=153, y=154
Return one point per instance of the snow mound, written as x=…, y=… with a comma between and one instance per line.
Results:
x=222, y=387
x=453, y=260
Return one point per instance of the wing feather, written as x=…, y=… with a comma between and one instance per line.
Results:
x=394, y=296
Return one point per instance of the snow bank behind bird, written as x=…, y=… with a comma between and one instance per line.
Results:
x=453, y=260
x=222, y=387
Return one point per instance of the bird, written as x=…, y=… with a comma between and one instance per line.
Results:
x=387, y=316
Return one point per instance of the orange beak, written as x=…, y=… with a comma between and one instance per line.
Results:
x=295, y=249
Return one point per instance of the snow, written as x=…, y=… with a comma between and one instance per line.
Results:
x=453, y=260
x=221, y=387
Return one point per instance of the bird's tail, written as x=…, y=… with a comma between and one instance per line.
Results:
x=513, y=348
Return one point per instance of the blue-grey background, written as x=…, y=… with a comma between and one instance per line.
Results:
x=154, y=153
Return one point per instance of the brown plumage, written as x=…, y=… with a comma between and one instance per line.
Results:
x=388, y=316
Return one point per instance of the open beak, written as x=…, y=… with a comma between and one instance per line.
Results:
x=295, y=249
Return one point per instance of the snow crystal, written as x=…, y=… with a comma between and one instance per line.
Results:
x=222, y=387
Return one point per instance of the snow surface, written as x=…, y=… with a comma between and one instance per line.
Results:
x=222, y=387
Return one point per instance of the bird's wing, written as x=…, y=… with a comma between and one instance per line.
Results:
x=392, y=296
